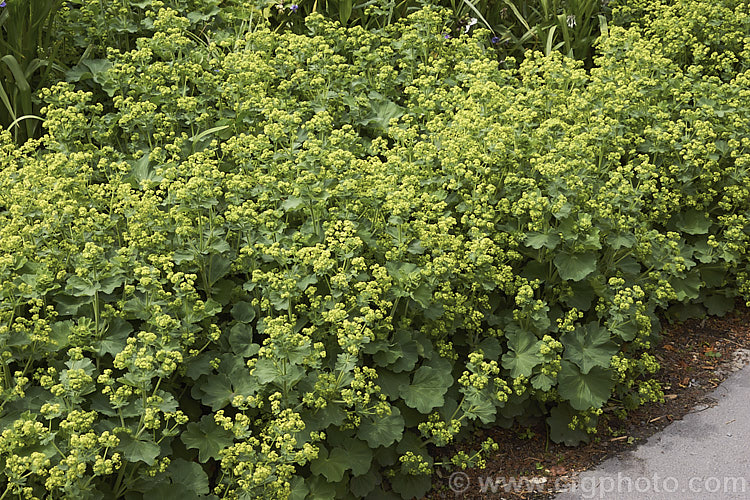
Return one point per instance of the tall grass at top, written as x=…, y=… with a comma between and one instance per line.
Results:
x=27, y=53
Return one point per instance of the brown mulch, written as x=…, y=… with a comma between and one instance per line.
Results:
x=695, y=356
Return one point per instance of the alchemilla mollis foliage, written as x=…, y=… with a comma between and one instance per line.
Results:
x=272, y=265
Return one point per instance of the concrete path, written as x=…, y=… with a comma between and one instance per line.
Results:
x=706, y=455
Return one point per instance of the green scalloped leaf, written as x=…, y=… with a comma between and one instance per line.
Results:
x=524, y=355
x=584, y=391
x=426, y=389
x=479, y=405
x=207, y=437
x=233, y=379
x=589, y=346
x=299, y=489
x=382, y=431
x=320, y=489
x=575, y=266
x=559, y=432
x=189, y=474
x=538, y=240
x=354, y=455
x=693, y=222
x=138, y=450
x=360, y=456
x=626, y=331
x=542, y=382
x=330, y=465
x=409, y=486
x=243, y=312
x=687, y=287
x=362, y=485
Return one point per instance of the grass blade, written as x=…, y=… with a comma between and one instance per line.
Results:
x=517, y=14
x=345, y=11
x=18, y=74
x=479, y=15
x=203, y=134
x=21, y=118
x=603, y=29
x=6, y=101
x=550, y=39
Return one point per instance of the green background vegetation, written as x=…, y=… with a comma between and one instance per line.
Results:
x=252, y=254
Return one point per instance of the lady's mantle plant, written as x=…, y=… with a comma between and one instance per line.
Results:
x=285, y=266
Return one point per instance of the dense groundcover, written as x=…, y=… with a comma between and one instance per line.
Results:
x=277, y=265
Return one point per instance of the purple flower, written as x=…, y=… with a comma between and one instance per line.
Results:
x=294, y=7
x=495, y=39
x=446, y=36
x=3, y=4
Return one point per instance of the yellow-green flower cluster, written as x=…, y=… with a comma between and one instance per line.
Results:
x=228, y=252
